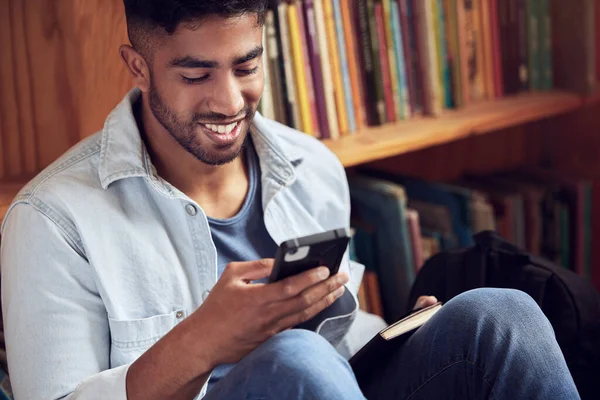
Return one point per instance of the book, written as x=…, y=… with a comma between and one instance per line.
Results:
x=374, y=356
x=411, y=52
x=426, y=43
x=390, y=108
x=388, y=24
x=290, y=79
x=348, y=17
x=274, y=65
x=497, y=55
x=372, y=99
x=336, y=70
x=314, y=53
x=574, y=47
x=383, y=204
x=412, y=220
x=347, y=87
x=400, y=54
x=328, y=88
x=300, y=72
x=310, y=89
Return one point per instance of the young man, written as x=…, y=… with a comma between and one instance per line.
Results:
x=129, y=266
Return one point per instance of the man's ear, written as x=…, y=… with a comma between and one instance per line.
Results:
x=137, y=66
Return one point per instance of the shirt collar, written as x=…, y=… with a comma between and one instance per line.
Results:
x=123, y=153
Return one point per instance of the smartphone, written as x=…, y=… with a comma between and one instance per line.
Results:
x=322, y=249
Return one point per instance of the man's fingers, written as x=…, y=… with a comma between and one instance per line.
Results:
x=251, y=270
x=425, y=301
x=294, y=285
x=308, y=313
x=311, y=296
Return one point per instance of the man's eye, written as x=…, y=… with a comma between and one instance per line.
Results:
x=194, y=80
x=246, y=72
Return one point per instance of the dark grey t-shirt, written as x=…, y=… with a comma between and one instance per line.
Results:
x=243, y=237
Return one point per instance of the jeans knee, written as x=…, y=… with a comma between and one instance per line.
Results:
x=505, y=307
x=298, y=351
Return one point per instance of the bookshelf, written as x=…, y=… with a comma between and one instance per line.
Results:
x=375, y=143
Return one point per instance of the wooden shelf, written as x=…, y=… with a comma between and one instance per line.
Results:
x=375, y=143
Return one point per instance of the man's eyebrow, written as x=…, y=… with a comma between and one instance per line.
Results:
x=192, y=62
x=256, y=52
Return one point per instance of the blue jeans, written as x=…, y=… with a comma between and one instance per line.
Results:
x=485, y=343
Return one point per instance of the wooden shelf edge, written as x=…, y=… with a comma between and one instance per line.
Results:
x=408, y=136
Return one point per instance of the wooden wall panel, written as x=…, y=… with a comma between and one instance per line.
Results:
x=60, y=75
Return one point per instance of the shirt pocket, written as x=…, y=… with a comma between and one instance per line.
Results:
x=131, y=338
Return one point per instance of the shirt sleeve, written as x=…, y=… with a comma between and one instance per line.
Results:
x=56, y=326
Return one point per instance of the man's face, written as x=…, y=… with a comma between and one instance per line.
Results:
x=206, y=85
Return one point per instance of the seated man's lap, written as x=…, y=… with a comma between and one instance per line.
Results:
x=481, y=343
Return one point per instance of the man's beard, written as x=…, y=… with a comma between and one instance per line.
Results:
x=185, y=132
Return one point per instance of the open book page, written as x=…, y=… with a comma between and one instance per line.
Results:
x=410, y=322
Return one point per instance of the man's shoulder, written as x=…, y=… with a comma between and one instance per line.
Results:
x=71, y=175
x=80, y=161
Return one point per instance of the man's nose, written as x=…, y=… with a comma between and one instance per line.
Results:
x=227, y=98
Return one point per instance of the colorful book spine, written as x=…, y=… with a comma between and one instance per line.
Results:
x=465, y=53
x=496, y=49
x=390, y=108
x=370, y=84
x=432, y=91
x=488, y=57
x=478, y=81
x=353, y=61
x=336, y=71
x=339, y=25
x=310, y=89
x=391, y=56
x=290, y=79
x=315, y=68
x=446, y=80
x=453, y=53
x=306, y=124
x=332, y=118
x=399, y=53
x=275, y=76
x=377, y=67
x=409, y=44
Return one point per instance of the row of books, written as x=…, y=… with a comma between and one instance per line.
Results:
x=398, y=223
x=334, y=66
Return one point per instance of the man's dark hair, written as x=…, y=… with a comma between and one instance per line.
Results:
x=164, y=16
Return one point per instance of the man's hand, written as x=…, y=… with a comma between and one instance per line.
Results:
x=238, y=316
x=425, y=301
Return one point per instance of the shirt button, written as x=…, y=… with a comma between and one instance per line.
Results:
x=191, y=210
x=205, y=295
x=179, y=314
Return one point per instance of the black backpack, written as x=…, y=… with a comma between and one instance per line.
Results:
x=569, y=301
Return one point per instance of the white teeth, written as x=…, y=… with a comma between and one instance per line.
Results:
x=222, y=129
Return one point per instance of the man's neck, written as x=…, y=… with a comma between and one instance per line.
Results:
x=219, y=190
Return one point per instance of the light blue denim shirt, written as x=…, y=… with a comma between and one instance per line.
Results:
x=101, y=257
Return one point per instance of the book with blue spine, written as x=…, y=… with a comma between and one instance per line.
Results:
x=339, y=27
x=400, y=54
x=444, y=61
x=383, y=204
